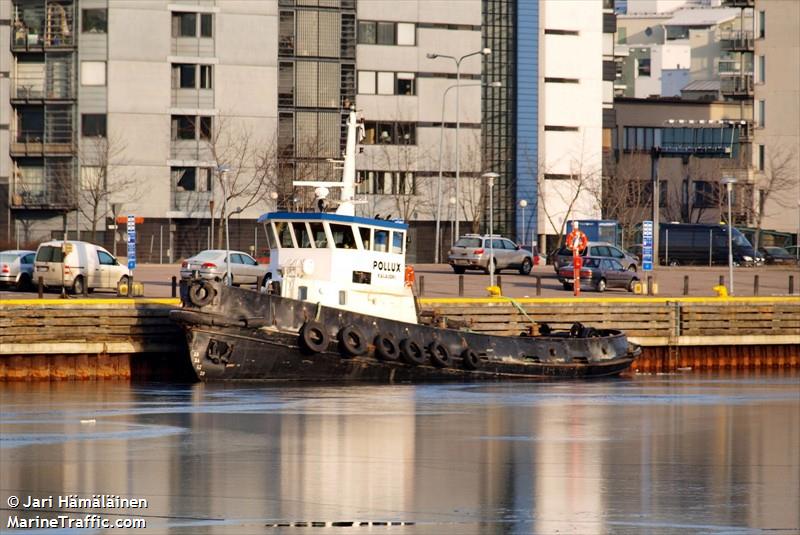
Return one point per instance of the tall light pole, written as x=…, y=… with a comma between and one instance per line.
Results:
x=729, y=181
x=228, y=246
x=453, y=202
x=441, y=152
x=491, y=178
x=223, y=176
x=522, y=204
x=484, y=52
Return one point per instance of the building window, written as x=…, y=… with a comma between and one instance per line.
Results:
x=206, y=25
x=762, y=113
x=643, y=65
x=638, y=138
x=186, y=76
x=387, y=33
x=561, y=32
x=192, y=178
x=205, y=77
x=386, y=183
x=389, y=133
x=94, y=20
x=183, y=127
x=93, y=125
x=205, y=127
x=706, y=194
x=405, y=84
x=555, y=128
x=561, y=80
x=366, y=82
x=386, y=83
x=762, y=24
x=92, y=178
x=762, y=69
x=184, y=25
x=622, y=35
x=761, y=157
x=406, y=34
x=93, y=73
x=367, y=33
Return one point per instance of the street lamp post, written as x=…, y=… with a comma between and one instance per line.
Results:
x=439, y=180
x=228, y=246
x=484, y=52
x=729, y=182
x=522, y=204
x=451, y=213
x=491, y=178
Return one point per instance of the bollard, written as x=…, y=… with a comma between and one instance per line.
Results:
x=86, y=289
x=41, y=287
x=791, y=284
x=421, y=285
x=461, y=285
x=649, y=285
x=538, y=285
x=686, y=285
x=500, y=284
x=722, y=280
x=755, y=285
x=174, y=286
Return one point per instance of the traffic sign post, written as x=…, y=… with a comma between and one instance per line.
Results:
x=131, y=251
x=647, y=245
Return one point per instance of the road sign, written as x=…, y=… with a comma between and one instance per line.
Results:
x=647, y=245
x=131, y=242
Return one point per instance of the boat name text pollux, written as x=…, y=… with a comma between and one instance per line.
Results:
x=393, y=267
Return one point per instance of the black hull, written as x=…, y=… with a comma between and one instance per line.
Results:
x=242, y=335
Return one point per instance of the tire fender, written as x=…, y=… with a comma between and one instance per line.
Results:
x=314, y=337
x=202, y=293
x=411, y=352
x=352, y=342
x=386, y=347
x=470, y=359
x=440, y=355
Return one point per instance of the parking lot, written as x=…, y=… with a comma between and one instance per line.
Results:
x=440, y=281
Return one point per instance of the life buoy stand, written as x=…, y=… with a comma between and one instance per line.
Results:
x=411, y=352
x=386, y=347
x=577, y=240
x=202, y=293
x=470, y=359
x=314, y=337
x=352, y=341
x=440, y=355
x=410, y=277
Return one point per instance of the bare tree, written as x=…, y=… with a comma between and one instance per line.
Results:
x=625, y=191
x=102, y=176
x=247, y=168
x=778, y=177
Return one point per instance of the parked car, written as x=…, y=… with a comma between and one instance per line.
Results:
x=777, y=255
x=16, y=268
x=472, y=251
x=77, y=265
x=534, y=250
x=636, y=250
x=211, y=264
x=600, y=273
x=599, y=249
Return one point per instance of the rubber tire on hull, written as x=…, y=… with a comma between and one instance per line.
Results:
x=411, y=352
x=440, y=355
x=352, y=342
x=470, y=360
x=201, y=294
x=386, y=347
x=314, y=337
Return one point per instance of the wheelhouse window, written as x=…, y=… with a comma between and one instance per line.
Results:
x=366, y=237
x=343, y=237
x=302, y=235
x=318, y=235
x=397, y=242
x=381, y=244
x=284, y=234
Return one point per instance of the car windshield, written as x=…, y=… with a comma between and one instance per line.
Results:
x=739, y=239
x=468, y=242
x=206, y=255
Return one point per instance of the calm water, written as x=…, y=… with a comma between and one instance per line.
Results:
x=651, y=454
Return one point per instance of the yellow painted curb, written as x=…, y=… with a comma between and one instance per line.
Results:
x=103, y=301
x=575, y=300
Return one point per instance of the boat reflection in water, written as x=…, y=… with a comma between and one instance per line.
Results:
x=650, y=455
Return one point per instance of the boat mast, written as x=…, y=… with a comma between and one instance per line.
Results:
x=355, y=132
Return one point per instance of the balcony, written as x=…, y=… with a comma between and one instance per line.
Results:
x=191, y=202
x=739, y=85
x=737, y=41
x=49, y=186
x=43, y=25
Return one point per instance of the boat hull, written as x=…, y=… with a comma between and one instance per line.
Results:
x=243, y=335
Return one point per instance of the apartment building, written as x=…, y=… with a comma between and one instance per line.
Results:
x=776, y=154
x=545, y=133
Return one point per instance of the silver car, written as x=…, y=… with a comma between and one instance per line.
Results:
x=211, y=264
x=600, y=249
x=472, y=251
x=16, y=268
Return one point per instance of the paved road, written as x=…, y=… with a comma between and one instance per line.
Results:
x=440, y=281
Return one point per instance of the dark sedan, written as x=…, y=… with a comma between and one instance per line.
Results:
x=601, y=273
x=777, y=255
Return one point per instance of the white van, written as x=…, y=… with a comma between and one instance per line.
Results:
x=86, y=265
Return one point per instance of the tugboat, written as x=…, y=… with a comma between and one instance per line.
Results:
x=337, y=305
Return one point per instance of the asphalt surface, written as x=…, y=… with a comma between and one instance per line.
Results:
x=440, y=281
